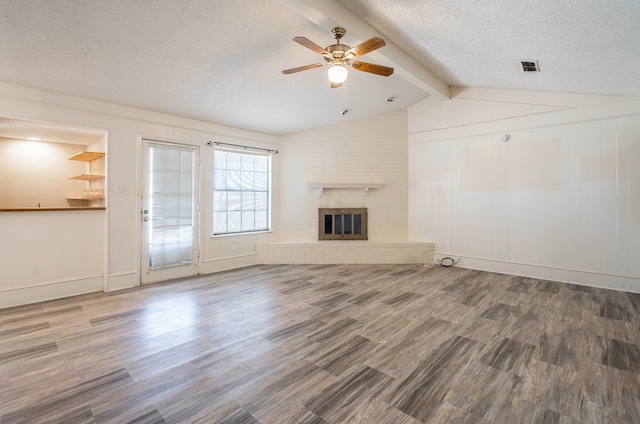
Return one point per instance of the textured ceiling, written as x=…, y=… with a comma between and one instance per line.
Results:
x=221, y=61
x=582, y=46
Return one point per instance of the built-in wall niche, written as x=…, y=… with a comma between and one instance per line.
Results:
x=48, y=173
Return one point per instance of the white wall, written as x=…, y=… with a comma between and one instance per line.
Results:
x=47, y=255
x=372, y=150
x=38, y=172
x=119, y=259
x=560, y=200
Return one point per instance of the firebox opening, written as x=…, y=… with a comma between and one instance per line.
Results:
x=342, y=224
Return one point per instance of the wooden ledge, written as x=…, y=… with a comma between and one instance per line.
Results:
x=345, y=186
x=52, y=209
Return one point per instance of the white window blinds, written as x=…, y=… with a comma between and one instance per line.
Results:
x=241, y=195
x=172, y=205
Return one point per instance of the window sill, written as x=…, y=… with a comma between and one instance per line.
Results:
x=215, y=236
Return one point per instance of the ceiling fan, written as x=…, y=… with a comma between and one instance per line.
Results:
x=340, y=55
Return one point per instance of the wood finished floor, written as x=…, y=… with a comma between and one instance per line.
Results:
x=395, y=344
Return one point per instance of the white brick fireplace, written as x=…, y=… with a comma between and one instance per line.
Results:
x=345, y=252
x=358, y=164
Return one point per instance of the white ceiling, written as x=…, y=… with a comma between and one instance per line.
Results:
x=221, y=61
x=57, y=133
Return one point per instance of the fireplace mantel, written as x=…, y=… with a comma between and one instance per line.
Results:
x=345, y=186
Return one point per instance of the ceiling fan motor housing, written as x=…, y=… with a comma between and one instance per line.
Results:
x=337, y=53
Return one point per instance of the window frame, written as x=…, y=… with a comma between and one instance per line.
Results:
x=268, y=192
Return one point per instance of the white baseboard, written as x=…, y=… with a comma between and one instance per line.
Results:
x=121, y=281
x=585, y=278
x=50, y=290
x=228, y=262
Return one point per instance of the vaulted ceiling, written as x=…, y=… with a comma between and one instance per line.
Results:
x=221, y=61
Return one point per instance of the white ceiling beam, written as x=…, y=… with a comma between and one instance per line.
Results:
x=328, y=14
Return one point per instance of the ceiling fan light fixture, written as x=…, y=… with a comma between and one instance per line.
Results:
x=337, y=74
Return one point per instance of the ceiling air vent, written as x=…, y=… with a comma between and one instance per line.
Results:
x=530, y=66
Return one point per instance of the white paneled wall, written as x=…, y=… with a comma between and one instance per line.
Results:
x=559, y=200
x=371, y=150
x=46, y=255
x=115, y=246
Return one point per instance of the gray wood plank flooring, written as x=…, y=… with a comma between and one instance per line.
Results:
x=326, y=344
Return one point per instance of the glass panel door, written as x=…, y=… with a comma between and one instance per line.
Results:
x=169, y=211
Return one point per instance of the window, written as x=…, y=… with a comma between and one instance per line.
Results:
x=241, y=192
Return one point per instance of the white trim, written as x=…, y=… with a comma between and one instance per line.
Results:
x=50, y=290
x=564, y=275
x=229, y=262
x=565, y=109
x=81, y=104
x=246, y=233
x=123, y=280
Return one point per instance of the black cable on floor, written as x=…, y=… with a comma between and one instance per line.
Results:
x=448, y=262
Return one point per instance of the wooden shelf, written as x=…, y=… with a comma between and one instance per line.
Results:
x=87, y=177
x=86, y=208
x=87, y=156
x=344, y=186
x=90, y=177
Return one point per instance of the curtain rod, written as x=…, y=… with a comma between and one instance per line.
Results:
x=220, y=143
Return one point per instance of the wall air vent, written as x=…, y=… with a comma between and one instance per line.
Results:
x=530, y=66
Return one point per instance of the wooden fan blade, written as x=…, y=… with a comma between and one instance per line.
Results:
x=310, y=45
x=366, y=47
x=302, y=68
x=385, y=71
x=336, y=84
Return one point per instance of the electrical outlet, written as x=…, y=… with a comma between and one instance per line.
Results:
x=120, y=188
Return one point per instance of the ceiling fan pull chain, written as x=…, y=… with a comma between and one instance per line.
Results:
x=345, y=94
x=345, y=109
